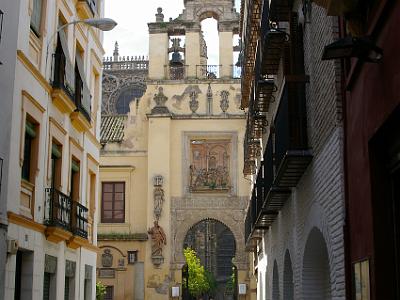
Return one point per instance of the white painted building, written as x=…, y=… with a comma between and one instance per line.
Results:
x=51, y=149
x=295, y=218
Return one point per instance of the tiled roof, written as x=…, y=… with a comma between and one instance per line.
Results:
x=112, y=128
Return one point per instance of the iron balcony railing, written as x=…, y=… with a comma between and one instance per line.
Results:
x=61, y=211
x=176, y=72
x=207, y=71
x=63, y=77
x=57, y=210
x=236, y=72
x=79, y=223
x=291, y=142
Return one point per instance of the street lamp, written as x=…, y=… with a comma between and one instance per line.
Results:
x=104, y=24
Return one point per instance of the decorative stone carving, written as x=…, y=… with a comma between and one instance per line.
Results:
x=70, y=268
x=160, y=100
x=107, y=259
x=159, y=240
x=121, y=262
x=158, y=196
x=224, y=104
x=50, y=264
x=159, y=15
x=203, y=46
x=209, y=100
x=193, y=104
x=188, y=90
x=209, y=168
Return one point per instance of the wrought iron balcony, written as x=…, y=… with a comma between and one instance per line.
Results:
x=236, y=72
x=280, y=10
x=292, y=154
x=207, y=71
x=60, y=211
x=79, y=222
x=57, y=209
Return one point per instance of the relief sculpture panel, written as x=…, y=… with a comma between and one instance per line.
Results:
x=209, y=165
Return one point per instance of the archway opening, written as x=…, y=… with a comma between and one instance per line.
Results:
x=316, y=270
x=288, y=287
x=275, y=282
x=215, y=246
x=209, y=51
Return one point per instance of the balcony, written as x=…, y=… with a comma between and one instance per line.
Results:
x=63, y=83
x=280, y=10
x=207, y=71
x=176, y=72
x=272, y=46
x=292, y=154
x=86, y=8
x=66, y=220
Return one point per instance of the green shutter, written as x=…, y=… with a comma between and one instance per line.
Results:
x=75, y=166
x=55, y=150
x=30, y=129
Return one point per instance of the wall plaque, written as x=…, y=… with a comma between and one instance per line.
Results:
x=106, y=273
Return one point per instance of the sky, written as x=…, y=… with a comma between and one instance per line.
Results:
x=132, y=17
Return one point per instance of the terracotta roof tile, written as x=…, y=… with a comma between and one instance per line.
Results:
x=112, y=128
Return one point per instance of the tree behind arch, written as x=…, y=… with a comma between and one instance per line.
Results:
x=200, y=280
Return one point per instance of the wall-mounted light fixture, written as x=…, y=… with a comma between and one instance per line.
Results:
x=360, y=47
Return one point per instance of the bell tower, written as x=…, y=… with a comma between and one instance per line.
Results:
x=193, y=53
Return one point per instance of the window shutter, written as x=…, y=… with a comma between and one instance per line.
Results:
x=86, y=92
x=75, y=166
x=30, y=129
x=55, y=151
x=36, y=16
x=69, y=66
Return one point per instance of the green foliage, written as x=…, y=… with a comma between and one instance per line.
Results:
x=100, y=290
x=199, y=279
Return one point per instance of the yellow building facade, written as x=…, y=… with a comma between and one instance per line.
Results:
x=170, y=168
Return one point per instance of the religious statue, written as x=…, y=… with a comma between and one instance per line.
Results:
x=158, y=201
x=159, y=239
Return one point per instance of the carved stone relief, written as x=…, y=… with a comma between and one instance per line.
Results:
x=193, y=104
x=209, y=165
x=160, y=99
x=224, y=104
x=158, y=194
x=107, y=259
x=187, y=92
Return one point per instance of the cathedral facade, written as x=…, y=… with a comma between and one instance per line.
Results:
x=171, y=175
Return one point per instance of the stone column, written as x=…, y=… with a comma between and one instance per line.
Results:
x=158, y=55
x=192, y=53
x=225, y=53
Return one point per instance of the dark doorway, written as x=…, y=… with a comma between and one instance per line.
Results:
x=215, y=245
x=385, y=182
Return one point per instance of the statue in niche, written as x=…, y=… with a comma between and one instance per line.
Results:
x=159, y=240
x=158, y=201
x=209, y=168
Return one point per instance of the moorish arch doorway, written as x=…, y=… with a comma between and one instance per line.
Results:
x=215, y=245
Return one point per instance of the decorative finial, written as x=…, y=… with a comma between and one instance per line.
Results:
x=159, y=15
x=116, y=51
